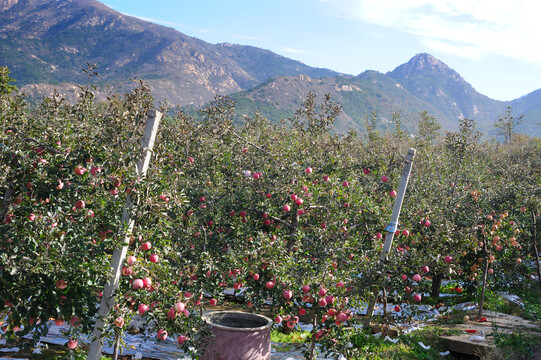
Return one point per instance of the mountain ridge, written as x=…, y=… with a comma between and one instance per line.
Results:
x=39, y=37
x=45, y=43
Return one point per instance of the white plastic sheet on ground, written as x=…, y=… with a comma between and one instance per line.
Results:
x=146, y=345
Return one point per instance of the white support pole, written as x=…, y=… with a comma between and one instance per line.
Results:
x=107, y=299
x=391, y=228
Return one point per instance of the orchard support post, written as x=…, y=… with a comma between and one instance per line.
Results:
x=391, y=228
x=107, y=299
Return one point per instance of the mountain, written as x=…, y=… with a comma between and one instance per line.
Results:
x=46, y=43
x=433, y=81
x=49, y=42
x=422, y=84
x=360, y=95
x=530, y=106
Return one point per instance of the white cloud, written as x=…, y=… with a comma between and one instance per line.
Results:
x=469, y=28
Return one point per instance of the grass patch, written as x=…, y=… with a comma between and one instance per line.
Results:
x=515, y=345
x=453, y=317
x=366, y=346
x=292, y=338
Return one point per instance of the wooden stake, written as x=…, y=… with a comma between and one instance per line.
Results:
x=391, y=228
x=107, y=299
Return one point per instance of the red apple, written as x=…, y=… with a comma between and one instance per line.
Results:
x=305, y=288
x=287, y=208
x=138, y=284
x=379, y=236
x=417, y=297
x=326, y=178
x=181, y=339
x=366, y=171
x=427, y=223
x=146, y=246
x=425, y=269
x=255, y=277
x=308, y=170
x=288, y=294
x=119, y=322
x=404, y=277
x=322, y=292
x=72, y=344
x=162, y=334
x=491, y=271
x=131, y=260
x=242, y=214
x=345, y=183
x=416, y=277
x=153, y=258
x=61, y=284
x=405, y=233
x=392, y=193
x=127, y=271
x=190, y=159
x=322, y=302
x=269, y=284
x=397, y=308
x=147, y=282
x=142, y=309
x=448, y=259
x=302, y=311
x=180, y=307
x=268, y=196
x=79, y=170
x=384, y=178
x=278, y=319
x=299, y=201
x=342, y=317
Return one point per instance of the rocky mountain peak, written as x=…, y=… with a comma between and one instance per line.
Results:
x=422, y=64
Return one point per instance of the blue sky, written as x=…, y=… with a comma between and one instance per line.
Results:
x=493, y=44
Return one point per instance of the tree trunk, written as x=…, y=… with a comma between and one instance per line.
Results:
x=436, y=286
x=536, y=248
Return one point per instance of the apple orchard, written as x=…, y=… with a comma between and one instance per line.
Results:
x=293, y=214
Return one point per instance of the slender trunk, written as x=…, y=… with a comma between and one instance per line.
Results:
x=313, y=344
x=536, y=248
x=436, y=286
x=384, y=300
x=484, y=288
x=116, y=345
